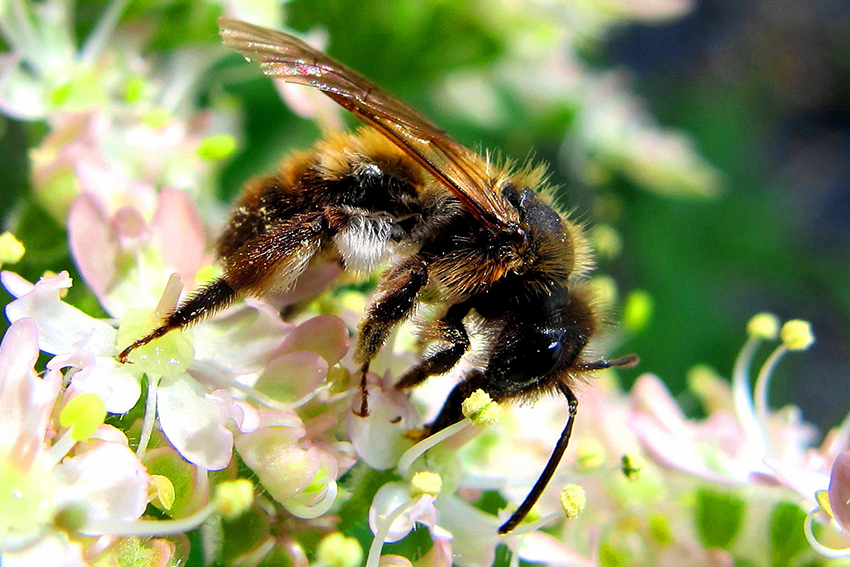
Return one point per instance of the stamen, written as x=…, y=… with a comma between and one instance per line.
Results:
x=374, y=557
x=60, y=449
x=829, y=552
x=149, y=418
x=407, y=459
x=762, y=383
x=742, y=396
x=322, y=483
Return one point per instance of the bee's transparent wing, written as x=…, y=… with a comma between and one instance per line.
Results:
x=462, y=171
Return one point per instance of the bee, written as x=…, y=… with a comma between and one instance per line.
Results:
x=475, y=239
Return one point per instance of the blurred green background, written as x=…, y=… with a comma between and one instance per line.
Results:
x=762, y=88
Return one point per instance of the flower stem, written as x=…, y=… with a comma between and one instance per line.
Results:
x=105, y=26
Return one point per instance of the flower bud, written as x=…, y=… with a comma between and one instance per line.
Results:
x=11, y=249
x=234, y=497
x=338, y=550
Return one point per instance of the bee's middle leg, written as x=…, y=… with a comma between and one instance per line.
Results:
x=393, y=303
x=450, y=330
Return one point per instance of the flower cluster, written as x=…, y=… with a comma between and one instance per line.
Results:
x=235, y=441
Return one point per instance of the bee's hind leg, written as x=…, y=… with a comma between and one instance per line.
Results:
x=270, y=262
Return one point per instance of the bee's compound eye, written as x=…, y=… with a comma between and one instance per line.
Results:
x=536, y=356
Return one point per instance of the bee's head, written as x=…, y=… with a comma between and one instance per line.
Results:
x=544, y=341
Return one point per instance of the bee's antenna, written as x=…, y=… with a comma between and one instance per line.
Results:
x=627, y=361
x=549, y=470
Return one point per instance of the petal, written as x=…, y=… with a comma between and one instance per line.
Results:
x=538, y=547
x=839, y=490
x=381, y=438
x=325, y=335
x=801, y=480
x=311, y=284
x=18, y=353
x=59, y=324
x=108, y=480
x=388, y=499
x=440, y=555
x=290, y=377
x=273, y=453
x=118, y=385
x=178, y=233
x=650, y=395
x=194, y=424
x=54, y=549
x=94, y=245
x=475, y=533
x=241, y=340
x=246, y=417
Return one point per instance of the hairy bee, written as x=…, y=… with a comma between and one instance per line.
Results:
x=454, y=226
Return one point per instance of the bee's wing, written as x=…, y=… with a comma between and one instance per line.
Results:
x=461, y=170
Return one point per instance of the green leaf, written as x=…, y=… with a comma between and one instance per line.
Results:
x=718, y=517
x=787, y=539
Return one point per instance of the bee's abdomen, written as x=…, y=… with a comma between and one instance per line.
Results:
x=360, y=171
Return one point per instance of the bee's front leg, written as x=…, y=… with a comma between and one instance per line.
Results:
x=393, y=303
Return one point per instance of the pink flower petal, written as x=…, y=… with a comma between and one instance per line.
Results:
x=274, y=454
x=242, y=340
x=802, y=480
x=178, y=233
x=839, y=490
x=117, y=384
x=129, y=226
x=440, y=555
x=27, y=399
x=291, y=376
x=325, y=335
x=246, y=417
x=538, y=547
x=94, y=246
x=650, y=395
x=311, y=284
